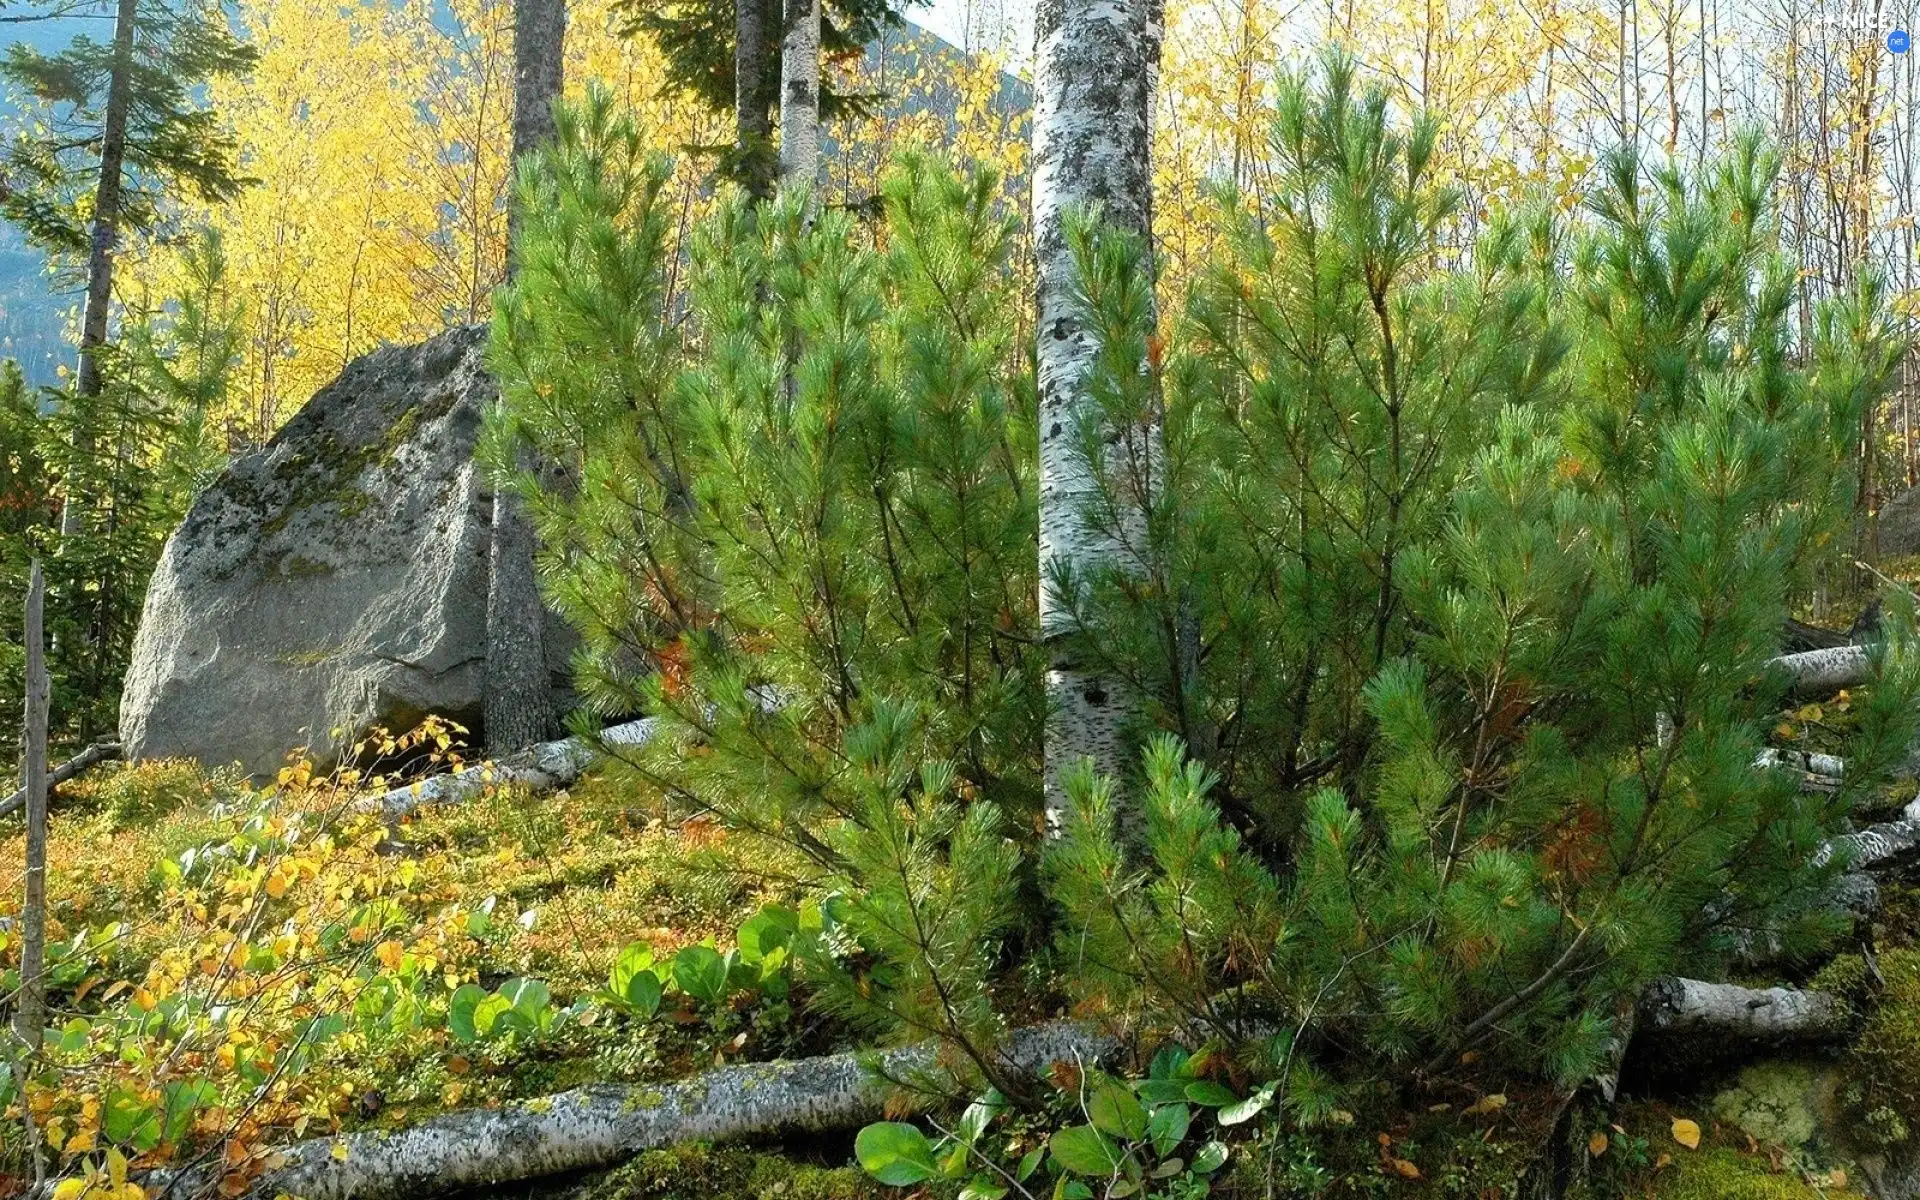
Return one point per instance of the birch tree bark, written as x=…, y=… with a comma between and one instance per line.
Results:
x=604, y=1123
x=1674, y=1005
x=800, y=96
x=519, y=705
x=1096, y=64
x=30, y=1017
x=106, y=231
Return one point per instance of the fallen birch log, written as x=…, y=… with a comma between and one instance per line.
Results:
x=1876, y=845
x=1674, y=1005
x=1830, y=765
x=92, y=756
x=1826, y=670
x=544, y=767
x=598, y=1126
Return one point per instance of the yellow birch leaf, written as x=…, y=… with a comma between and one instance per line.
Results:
x=1687, y=1133
x=1598, y=1143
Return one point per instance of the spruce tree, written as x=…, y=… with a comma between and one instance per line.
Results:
x=116, y=127
x=139, y=450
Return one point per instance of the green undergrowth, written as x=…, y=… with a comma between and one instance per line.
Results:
x=274, y=966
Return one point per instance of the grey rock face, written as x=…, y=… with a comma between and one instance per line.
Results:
x=334, y=580
x=1900, y=525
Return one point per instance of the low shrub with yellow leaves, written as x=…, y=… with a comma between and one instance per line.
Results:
x=244, y=967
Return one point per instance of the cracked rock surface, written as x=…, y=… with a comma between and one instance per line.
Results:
x=333, y=580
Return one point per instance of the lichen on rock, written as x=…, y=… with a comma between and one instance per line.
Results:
x=1777, y=1103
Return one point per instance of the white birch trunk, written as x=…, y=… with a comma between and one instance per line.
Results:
x=599, y=1125
x=1096, y=64
x=800, y=97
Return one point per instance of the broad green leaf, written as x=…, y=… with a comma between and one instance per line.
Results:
x=1115, y=1112
x=1029, y=1163
x=895, y=1153
x=179, y=1100
x=1162, y=1091
x=489, y=1011
x=701, y=973
x=530, y=999
x=1167, y=1127
x=1084, y=1150
x=1167, y=1063
x=461, y=1009
x=770, y=929
x=974, y=1121
x=634, y=960
x=130, y=1120
x=643, y=993
x=73, y=1036
x=980, y=1187
x=1211, y=1158
x=1210, y=1094
x=1246, y=1110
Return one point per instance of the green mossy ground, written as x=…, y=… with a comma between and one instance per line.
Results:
x=1726, y=1174
x=728, y=1173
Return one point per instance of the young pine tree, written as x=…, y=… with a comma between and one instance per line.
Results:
x=798, y=527
x=1484, y=566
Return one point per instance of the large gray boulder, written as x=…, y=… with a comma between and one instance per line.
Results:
x=334, y=580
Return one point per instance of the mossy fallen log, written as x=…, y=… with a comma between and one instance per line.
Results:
x=597, y=1126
